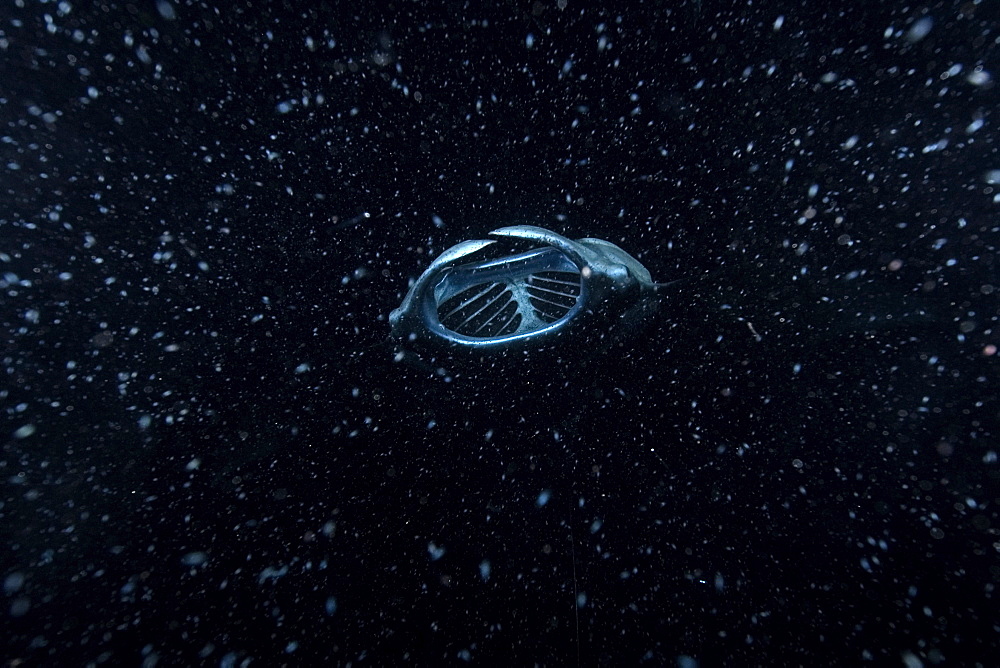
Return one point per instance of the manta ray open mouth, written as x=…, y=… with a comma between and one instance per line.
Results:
x=548, y=291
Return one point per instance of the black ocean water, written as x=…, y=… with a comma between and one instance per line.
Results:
x=214, y=456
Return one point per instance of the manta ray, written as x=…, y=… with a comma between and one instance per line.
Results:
x=526, y=298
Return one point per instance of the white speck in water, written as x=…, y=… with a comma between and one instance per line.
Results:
x=270, y=573
x=166, y=10
x=435, y=551
x=919, y=30
x=194, y=558
x=978, y=77
x=13, y=582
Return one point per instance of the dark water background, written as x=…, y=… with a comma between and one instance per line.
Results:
x=207, y=212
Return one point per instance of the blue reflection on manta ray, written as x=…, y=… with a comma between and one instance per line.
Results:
x=525, y=298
